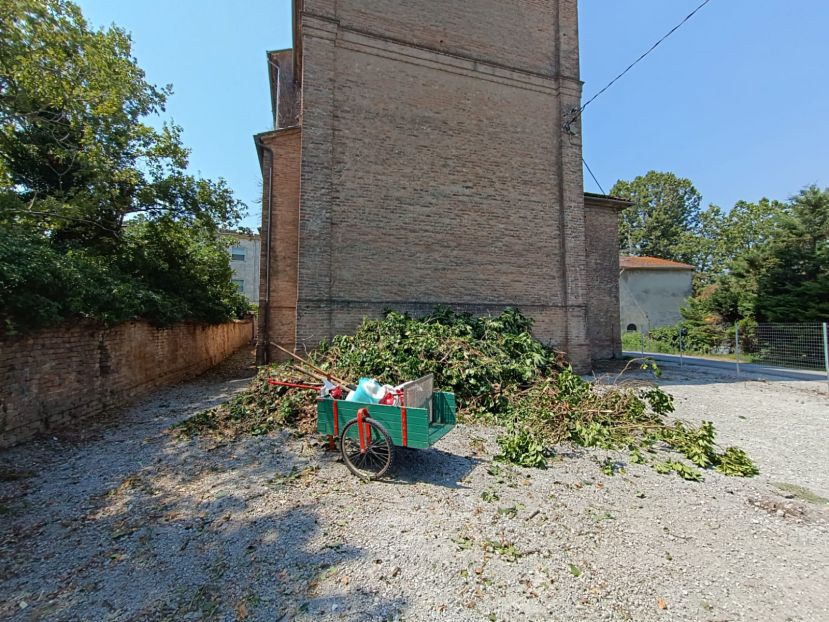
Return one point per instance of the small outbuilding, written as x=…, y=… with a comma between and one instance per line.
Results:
x=651, y=292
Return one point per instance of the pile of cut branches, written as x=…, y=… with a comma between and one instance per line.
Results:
x=566, y=408
x=500, y=375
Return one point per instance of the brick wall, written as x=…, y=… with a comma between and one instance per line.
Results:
x=277, y=303
x=433, y=166
x=602, y=223
x=56, y=377
x=518, y=33
x=284, y=92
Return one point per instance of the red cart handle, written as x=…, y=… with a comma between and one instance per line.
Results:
x=294, y=385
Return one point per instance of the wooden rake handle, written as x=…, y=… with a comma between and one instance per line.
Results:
x=322, y=372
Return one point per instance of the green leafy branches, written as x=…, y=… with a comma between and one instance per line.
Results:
x=500, y=375
x=522, y=447
x=485, y=361
x=735, y=462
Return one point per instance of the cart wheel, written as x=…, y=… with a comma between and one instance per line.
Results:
x=376, y=460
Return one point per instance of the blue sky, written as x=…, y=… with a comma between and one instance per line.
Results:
x=737, y=100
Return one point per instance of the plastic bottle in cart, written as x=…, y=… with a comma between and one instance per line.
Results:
x=368, y=391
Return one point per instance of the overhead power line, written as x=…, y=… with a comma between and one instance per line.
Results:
x=576, y=114
x=587, y=166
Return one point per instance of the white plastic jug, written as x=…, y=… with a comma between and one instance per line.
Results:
x=369, y=391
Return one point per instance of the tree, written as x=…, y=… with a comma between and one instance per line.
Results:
x=98, y=215
x=774, y=260
x=793, y=268
x=665, y=209
x=73, y=144
x=723, y=238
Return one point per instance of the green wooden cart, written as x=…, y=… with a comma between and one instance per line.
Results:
x=368, y=433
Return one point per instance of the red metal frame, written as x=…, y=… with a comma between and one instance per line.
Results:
x=404, y=427
x=360, y=414
x=365, y=429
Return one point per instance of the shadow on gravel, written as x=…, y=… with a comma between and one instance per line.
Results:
x=431, y=466
x=202, y=531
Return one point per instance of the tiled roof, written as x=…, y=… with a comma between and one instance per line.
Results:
x=651, y=263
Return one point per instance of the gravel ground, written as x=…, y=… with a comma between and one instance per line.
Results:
x=125, y=522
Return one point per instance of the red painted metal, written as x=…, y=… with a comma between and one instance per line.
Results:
x=360, y=414
x=336, y=420
x=403, y=425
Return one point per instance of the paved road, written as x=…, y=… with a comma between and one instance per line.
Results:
x=750, y=370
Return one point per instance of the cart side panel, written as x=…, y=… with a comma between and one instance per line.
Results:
x=417, y=420
x=325, y=417
x=443, y=408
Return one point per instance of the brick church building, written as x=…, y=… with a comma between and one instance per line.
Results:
x=419, y=157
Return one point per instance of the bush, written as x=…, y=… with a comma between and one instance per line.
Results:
x=34, y=281
x=699, y=338
x=631, y=341
x=98, y=215
x=165, y=272
x=482, y=360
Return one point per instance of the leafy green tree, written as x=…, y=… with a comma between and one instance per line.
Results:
x=98, y=215
x=724, y=238
x=73, y=143
x=793, y=269
x=704, y=247
x=777, y=270
x=750, y=226
x=665, y=209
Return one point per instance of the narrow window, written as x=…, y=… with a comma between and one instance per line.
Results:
x=237, y=253
x=240, y=283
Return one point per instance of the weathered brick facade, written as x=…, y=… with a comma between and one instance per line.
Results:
x=601, y=218
x=419, y=158
x=56, y=377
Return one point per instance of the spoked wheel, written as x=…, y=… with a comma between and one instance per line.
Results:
x=376, y=459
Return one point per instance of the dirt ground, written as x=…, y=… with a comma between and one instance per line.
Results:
x=122, y=521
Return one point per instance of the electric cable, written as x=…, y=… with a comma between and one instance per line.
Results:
x=592, y=175
x=577, y=113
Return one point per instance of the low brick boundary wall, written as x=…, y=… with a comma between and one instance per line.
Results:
x=58, y=376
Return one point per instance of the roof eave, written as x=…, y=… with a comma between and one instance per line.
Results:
x=661, y=268
x=592, y=199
